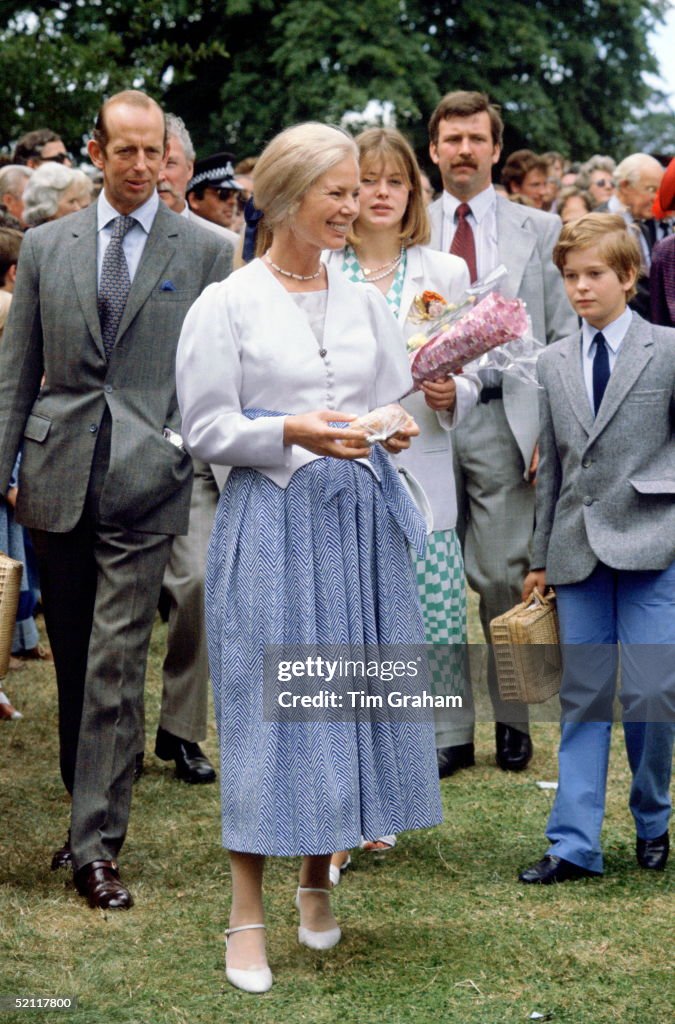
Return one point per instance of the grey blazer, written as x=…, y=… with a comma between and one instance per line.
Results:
x=53, y=330
x=525, y=241
x=606, y=486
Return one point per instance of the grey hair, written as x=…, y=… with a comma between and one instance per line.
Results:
x=176, y=126
x=596, y=163
x=630, y=169
x=10, y=176
x=43, y=192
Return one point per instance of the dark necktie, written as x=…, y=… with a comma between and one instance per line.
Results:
x=600, y=370
x=464, y=244
x=113, y=289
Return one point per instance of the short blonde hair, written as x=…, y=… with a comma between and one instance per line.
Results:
x=618, y=246
x=377, y=146
x=288, y=166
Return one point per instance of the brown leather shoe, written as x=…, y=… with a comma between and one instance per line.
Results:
x=62, y=858
x=100, y=883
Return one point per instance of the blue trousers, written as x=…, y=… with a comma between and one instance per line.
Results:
x=636, y=611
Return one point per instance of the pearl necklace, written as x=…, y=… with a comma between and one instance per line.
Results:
x=385, y=268
x=289, y=273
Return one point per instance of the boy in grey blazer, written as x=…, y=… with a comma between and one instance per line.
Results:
x=605, y=537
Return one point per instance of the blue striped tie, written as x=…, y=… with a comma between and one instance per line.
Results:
x=113, y=289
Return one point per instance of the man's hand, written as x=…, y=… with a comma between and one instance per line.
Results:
x=534, y=580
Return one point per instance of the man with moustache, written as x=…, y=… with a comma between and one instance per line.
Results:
x=87, y=386
x=495, y=445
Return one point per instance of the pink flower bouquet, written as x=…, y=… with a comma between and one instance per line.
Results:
x=492, y=321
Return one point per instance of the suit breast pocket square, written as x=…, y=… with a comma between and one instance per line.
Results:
x=167, y=286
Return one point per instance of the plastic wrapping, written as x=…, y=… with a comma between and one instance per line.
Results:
x=382, y=423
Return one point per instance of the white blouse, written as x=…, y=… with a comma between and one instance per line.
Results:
x=245, y=344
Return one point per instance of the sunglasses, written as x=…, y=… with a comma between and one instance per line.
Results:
x=58, y=158
x=603, y=183
x=224, y=193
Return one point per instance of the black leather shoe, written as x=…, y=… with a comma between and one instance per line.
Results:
x=139, y=765
x=653, y=853
x=62, y=858
x=552, y=869
x=451, y=759
x=514, y=748
x=100, y=883
x=192, y=765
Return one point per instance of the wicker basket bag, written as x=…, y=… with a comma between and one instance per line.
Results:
x=10, y=584
x=526, y=645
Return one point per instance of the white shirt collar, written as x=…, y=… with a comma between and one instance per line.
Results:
x=480, y=204
x=613, y=333
x=144, y=214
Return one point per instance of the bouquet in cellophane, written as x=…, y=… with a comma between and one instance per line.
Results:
x=484, y=329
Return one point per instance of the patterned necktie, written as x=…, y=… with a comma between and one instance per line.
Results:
x=600, y=370
x=113, y=289
x=464, y=244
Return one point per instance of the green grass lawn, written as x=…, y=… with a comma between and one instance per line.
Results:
x=439, y=931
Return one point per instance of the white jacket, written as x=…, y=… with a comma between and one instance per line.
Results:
x=245, y=344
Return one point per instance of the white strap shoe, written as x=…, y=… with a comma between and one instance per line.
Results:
x=335, y=872
x=316, y=940
x=249, y=979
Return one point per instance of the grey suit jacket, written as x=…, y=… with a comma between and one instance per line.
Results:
x=525, y=241
x=606, y=486
x=53, y=330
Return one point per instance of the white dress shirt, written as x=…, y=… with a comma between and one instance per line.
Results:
x=613, y=334
x=483, y=220
x=134, y=241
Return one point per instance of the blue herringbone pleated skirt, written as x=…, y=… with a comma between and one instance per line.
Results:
x=324, y=561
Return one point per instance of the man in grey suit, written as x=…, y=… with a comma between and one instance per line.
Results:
x=87, y=386
x=495, y=446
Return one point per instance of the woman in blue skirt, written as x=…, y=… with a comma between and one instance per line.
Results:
x=311, y=544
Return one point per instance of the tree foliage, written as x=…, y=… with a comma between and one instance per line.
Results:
x=568, y=73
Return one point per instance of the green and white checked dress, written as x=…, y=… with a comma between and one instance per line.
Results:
x=440, y=574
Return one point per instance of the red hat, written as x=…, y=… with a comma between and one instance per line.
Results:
x=664, y=203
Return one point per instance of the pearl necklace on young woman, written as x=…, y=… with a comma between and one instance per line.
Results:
x=379, y=273
x=289, y=273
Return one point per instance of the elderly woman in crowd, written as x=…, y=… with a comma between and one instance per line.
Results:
x=54, y=191
x=310, y=543
x=387, y=247
x=596, y=176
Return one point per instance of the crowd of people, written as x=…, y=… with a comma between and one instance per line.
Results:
x=171, y=428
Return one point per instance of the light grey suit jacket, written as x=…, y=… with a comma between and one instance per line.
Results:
x=606, y=485
x=525, y=241
x=53, y=329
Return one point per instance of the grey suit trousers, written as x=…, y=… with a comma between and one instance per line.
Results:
x=100, y=586
x=186, y=667
x=495, y=524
